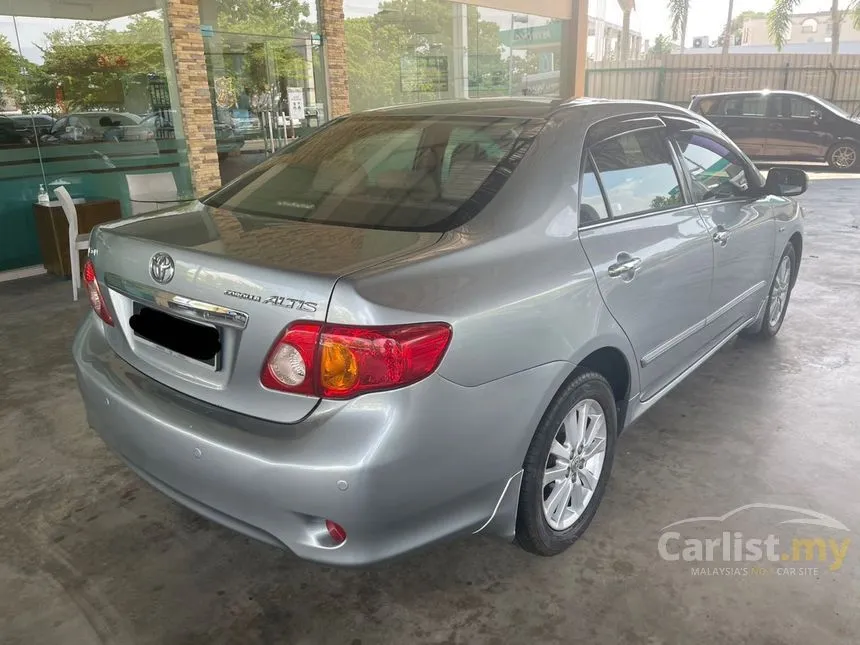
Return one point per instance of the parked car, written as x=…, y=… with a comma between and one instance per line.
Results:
x=244, y=122
x=32, y=125
x=226, y=138
x=10, y=137
x=431, y=320
x=785, y=126
x=89, y=127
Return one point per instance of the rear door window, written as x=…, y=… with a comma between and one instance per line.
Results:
x=592, y=206
x=750, y=105
x=385, y=172
x=796, y=107
x=637, y=173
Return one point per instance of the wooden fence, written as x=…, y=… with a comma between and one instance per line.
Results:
x=676, y=78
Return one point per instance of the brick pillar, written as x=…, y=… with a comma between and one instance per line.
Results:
x=574, y=58
x=334, y=41
x=195, y=108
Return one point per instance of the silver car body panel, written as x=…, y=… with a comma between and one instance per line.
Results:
x=526, y=292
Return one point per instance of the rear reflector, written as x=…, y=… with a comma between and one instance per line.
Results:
x=95, y=294
x=343, y=361
x=336, y=532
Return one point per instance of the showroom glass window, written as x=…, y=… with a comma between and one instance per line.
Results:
x=81, y=83
x=438, y=49
x=264, y=71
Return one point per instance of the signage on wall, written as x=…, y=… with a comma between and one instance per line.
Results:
x=527, y=37
x=296, y=102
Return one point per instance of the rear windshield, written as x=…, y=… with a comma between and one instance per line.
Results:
x=407, y=173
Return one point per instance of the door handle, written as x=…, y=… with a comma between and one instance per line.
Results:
x=624, y=267
x=721, y=237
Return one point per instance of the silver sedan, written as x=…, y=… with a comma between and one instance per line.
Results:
x=430, y=321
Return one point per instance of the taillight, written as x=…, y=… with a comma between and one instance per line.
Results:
x=95, y=293
x=290, y=362
x=343, y=361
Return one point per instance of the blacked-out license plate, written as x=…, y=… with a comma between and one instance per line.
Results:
x=186, y=337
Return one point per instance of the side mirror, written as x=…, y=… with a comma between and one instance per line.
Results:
x=815, y=115
x=785, y=182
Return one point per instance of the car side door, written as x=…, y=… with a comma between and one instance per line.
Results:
x=743, y=118
x=726, y=188
x=797, y=131
x=649, y=247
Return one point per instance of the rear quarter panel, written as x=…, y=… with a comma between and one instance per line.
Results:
x=514, y=282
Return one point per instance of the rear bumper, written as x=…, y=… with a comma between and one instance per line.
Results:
x=398, y=470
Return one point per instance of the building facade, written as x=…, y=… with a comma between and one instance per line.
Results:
x=805, y=28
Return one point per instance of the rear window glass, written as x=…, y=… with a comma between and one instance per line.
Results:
x=385, y=172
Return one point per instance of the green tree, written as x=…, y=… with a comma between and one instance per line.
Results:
x=9, y=65
x=263, y=17
x=384, y=52
x=662, y=45
x=679, y=11
x=779, y=21
x=88, y=65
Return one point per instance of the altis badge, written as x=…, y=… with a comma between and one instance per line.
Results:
x=277, y=301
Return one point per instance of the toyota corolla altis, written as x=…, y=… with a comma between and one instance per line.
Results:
x=430, y=321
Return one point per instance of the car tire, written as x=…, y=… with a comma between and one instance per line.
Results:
x=844, y=156
x=549, y=518
x=778, y=295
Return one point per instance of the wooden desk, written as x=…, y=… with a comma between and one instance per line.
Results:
x=52, y=229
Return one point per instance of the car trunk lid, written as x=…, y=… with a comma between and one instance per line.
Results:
x=237, y=282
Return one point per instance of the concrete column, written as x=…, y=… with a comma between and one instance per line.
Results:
x=458, y=71
x=334, y=56
x=195, y=109
x=574, y=57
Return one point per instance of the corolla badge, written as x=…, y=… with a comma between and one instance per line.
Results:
x=161, y=268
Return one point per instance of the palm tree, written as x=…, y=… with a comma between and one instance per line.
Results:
x=678, y=11
x=627, y=7
x=779, y=21
x=727, y=40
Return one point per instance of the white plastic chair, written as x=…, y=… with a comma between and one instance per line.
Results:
x=76, y=242
x=151, y=191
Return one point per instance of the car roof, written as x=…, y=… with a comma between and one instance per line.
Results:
x=749, y=92
x=525, y=107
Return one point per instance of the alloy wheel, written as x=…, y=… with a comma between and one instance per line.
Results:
x=844, y=157
x=574, y=464
x=779, y=291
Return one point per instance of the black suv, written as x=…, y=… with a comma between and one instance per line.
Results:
x=785, y=126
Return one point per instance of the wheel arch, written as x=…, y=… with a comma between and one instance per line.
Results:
x=615, y=363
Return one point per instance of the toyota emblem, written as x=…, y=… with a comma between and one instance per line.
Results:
x=161, y=268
